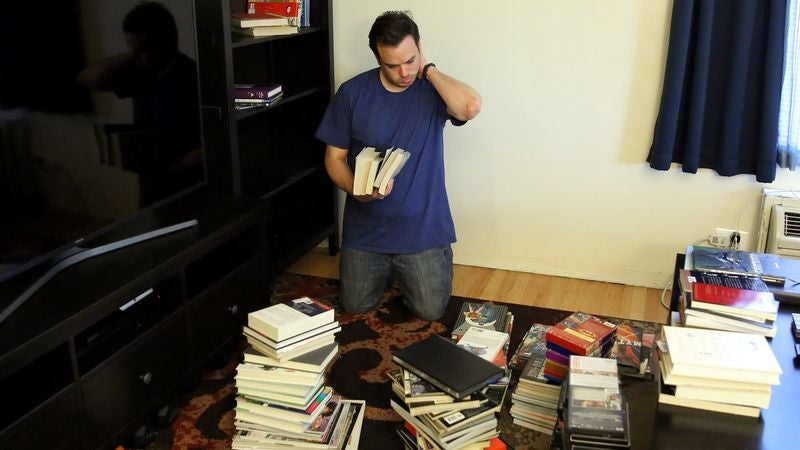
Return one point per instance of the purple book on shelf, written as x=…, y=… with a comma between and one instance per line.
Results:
x=256, y=91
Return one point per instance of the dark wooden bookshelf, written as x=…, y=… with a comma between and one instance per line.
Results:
x=270, y=153
x=78, y=371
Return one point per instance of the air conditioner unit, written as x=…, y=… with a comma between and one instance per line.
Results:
x=784, y=231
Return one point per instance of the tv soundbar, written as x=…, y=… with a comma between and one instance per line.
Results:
x=82, y=255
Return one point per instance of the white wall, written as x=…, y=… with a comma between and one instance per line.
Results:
x=551, y=176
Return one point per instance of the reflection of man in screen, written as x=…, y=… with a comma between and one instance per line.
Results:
x=162, y=83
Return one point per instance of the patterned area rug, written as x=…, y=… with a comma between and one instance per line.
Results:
x=205, y=420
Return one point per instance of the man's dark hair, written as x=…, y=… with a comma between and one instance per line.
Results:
x=154, y=21
x=390, y=28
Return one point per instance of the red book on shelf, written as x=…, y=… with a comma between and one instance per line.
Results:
x=733, y=300
x=285, y=9
x=580, y=333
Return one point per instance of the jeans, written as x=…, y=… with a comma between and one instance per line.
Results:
x=426, y=280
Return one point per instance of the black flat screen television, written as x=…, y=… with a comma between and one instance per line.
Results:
x=99, y=120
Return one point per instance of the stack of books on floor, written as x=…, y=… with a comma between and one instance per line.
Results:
x=262, y=24
x=595, y=412
x=247, y=96
x=534, y=402
x=447, y=395
x=714, y=370
x=579, y=334
x=727, y=301
x=281, y=396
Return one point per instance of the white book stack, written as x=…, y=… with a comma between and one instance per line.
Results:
x=715, y=370
x=282, y=399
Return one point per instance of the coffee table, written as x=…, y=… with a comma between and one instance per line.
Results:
x=683, y=428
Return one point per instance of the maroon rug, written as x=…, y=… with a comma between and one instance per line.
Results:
x=205, y=420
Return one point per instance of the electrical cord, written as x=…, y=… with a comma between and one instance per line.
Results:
x=743, y=208
x=669, y=283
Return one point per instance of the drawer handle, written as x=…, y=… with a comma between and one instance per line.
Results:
x=233, y=309
x=146, y=378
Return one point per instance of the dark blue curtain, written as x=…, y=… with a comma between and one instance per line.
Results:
x=721, y=98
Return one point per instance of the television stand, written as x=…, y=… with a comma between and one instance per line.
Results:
x=102, y=346
x=77, y=254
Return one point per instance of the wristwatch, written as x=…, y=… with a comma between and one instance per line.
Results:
x=425, y=70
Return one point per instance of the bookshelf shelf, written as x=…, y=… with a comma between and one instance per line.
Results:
x=288, y=97
x=244, y=40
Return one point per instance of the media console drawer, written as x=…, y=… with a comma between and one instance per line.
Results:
x=54, y=425
x=134, y=380
x=218, y=314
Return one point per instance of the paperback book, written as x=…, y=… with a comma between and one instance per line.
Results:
x=733, y=300
x=290, y=318
x=313, y=361
x=375, y=168
x=769, y=267
x=627, y=347
x=482, y=315
x=265, y=19
x=256, y=91
x=533, y=343
x=483, y=342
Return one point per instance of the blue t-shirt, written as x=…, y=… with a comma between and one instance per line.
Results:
x=415, y=216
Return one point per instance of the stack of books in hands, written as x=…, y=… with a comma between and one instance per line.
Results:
x=727, y=301
x=534, y=402
x=248, y=96
x=579, y=334
x=374, y=169
x=595, y=412
x=714, y=370
x=281, y=397
x=447, y=395
x=262, y=24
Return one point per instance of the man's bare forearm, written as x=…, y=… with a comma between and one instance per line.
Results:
x=463, y=102
x=338, y=170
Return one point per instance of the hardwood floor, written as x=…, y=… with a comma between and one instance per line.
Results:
x=594, y=297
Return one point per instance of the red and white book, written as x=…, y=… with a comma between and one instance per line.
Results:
x=731, y=300
x=285, y=9
x=242, y=20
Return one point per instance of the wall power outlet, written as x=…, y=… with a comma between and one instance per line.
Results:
x=725, y=238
